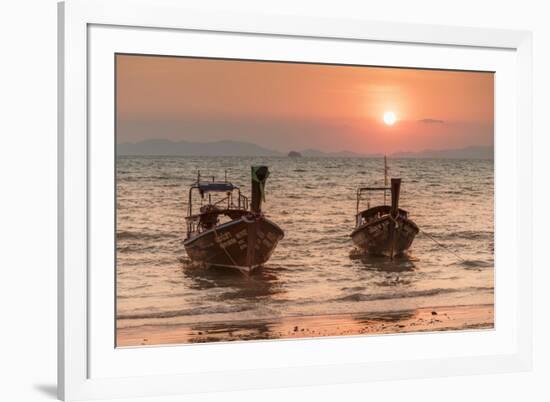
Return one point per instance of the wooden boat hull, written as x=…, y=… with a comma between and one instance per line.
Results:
x=244, y=244
x=385, y=236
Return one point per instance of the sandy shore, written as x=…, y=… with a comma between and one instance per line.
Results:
x=419, y=320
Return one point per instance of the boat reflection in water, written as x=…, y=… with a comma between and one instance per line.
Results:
x=400, y=263
x=238, y=330
x=258, y=288
x=260, y=284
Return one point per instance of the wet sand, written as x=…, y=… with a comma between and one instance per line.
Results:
x=418, y=320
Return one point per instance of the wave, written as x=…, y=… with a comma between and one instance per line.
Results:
x=468, y=235
x=182, y=313
x=354, y=288
x=357, y=297
x=136, y=177
x=471, y=264
x=127, y=235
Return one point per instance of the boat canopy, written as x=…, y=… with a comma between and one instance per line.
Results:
x=215, y=187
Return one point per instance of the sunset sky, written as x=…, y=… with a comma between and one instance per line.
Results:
x=290, y=106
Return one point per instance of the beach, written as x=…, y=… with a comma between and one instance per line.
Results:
x=448, y=318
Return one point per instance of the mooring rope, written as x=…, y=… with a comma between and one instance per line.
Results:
x=223, y=248
x=443, y=246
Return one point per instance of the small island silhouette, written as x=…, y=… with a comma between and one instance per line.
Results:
x=294, y=154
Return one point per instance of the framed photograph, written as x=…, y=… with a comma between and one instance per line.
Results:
x=253, y=201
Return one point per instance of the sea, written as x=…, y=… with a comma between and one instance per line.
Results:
x=314, y=270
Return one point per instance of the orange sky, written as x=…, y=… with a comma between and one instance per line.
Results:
x=287, y=106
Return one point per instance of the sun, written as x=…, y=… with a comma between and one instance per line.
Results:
x=390, y=118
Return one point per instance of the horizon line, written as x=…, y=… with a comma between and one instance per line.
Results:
x=359, y=153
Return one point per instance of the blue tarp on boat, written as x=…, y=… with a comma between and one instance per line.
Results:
x=215, y=187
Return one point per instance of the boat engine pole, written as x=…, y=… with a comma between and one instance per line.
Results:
x=385, y=176
x=395, y=188
x=259, y=177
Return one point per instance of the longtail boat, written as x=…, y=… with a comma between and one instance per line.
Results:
x=383, y=230
x=230, y=231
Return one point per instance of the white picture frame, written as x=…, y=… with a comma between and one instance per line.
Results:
x=89, y=365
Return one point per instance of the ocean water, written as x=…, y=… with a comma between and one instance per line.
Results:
x=314, y=270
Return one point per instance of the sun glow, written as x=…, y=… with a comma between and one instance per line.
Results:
x=390, y=118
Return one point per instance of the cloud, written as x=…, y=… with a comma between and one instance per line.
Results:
x=432, y=121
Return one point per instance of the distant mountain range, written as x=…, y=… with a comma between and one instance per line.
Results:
x=239, y=148
x=187, y=148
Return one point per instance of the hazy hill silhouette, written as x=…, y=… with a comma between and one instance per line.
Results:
x=187, y=148
x=239, y=148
